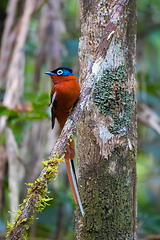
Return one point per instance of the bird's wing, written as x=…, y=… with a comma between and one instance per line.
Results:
x=73, y=183
x=53, y=118
x=54, y=102
x=53, y=105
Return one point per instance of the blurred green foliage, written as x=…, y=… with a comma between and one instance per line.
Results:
x=148, y=76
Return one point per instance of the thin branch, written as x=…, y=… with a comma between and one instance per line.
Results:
x=148, y=117
x=37, y=190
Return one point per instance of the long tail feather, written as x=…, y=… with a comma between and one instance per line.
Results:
x=73, y=183
x=76, y=187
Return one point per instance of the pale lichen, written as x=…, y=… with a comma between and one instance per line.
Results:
x=104, y=134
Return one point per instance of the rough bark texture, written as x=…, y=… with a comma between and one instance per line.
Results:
x=107, y=130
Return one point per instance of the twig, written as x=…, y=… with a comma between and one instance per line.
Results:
x=148, y=117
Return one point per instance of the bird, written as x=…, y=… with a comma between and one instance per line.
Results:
x=64, y=94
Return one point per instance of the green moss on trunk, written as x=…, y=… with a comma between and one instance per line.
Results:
x=109, y=198
x=112, y=97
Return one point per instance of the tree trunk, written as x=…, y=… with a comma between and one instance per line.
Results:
x=106, y=136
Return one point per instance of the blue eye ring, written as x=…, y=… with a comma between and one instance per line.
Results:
x=59, y=72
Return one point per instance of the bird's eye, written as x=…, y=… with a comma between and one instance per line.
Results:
x=59, y=72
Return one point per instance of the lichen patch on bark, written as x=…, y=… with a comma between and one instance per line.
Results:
x=112, y=97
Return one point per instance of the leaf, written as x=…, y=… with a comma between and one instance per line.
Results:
x=4, y=111
x=42, y=97
x=30, y=96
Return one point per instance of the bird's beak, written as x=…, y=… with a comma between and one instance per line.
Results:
x=49, y=73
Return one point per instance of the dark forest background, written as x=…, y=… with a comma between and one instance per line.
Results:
x=52, y=31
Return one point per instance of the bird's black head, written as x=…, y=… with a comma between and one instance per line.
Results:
x=61, y=71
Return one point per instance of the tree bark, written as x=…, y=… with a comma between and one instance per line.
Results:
x=106, y=138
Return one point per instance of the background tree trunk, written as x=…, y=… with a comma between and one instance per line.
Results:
x=107, y=130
